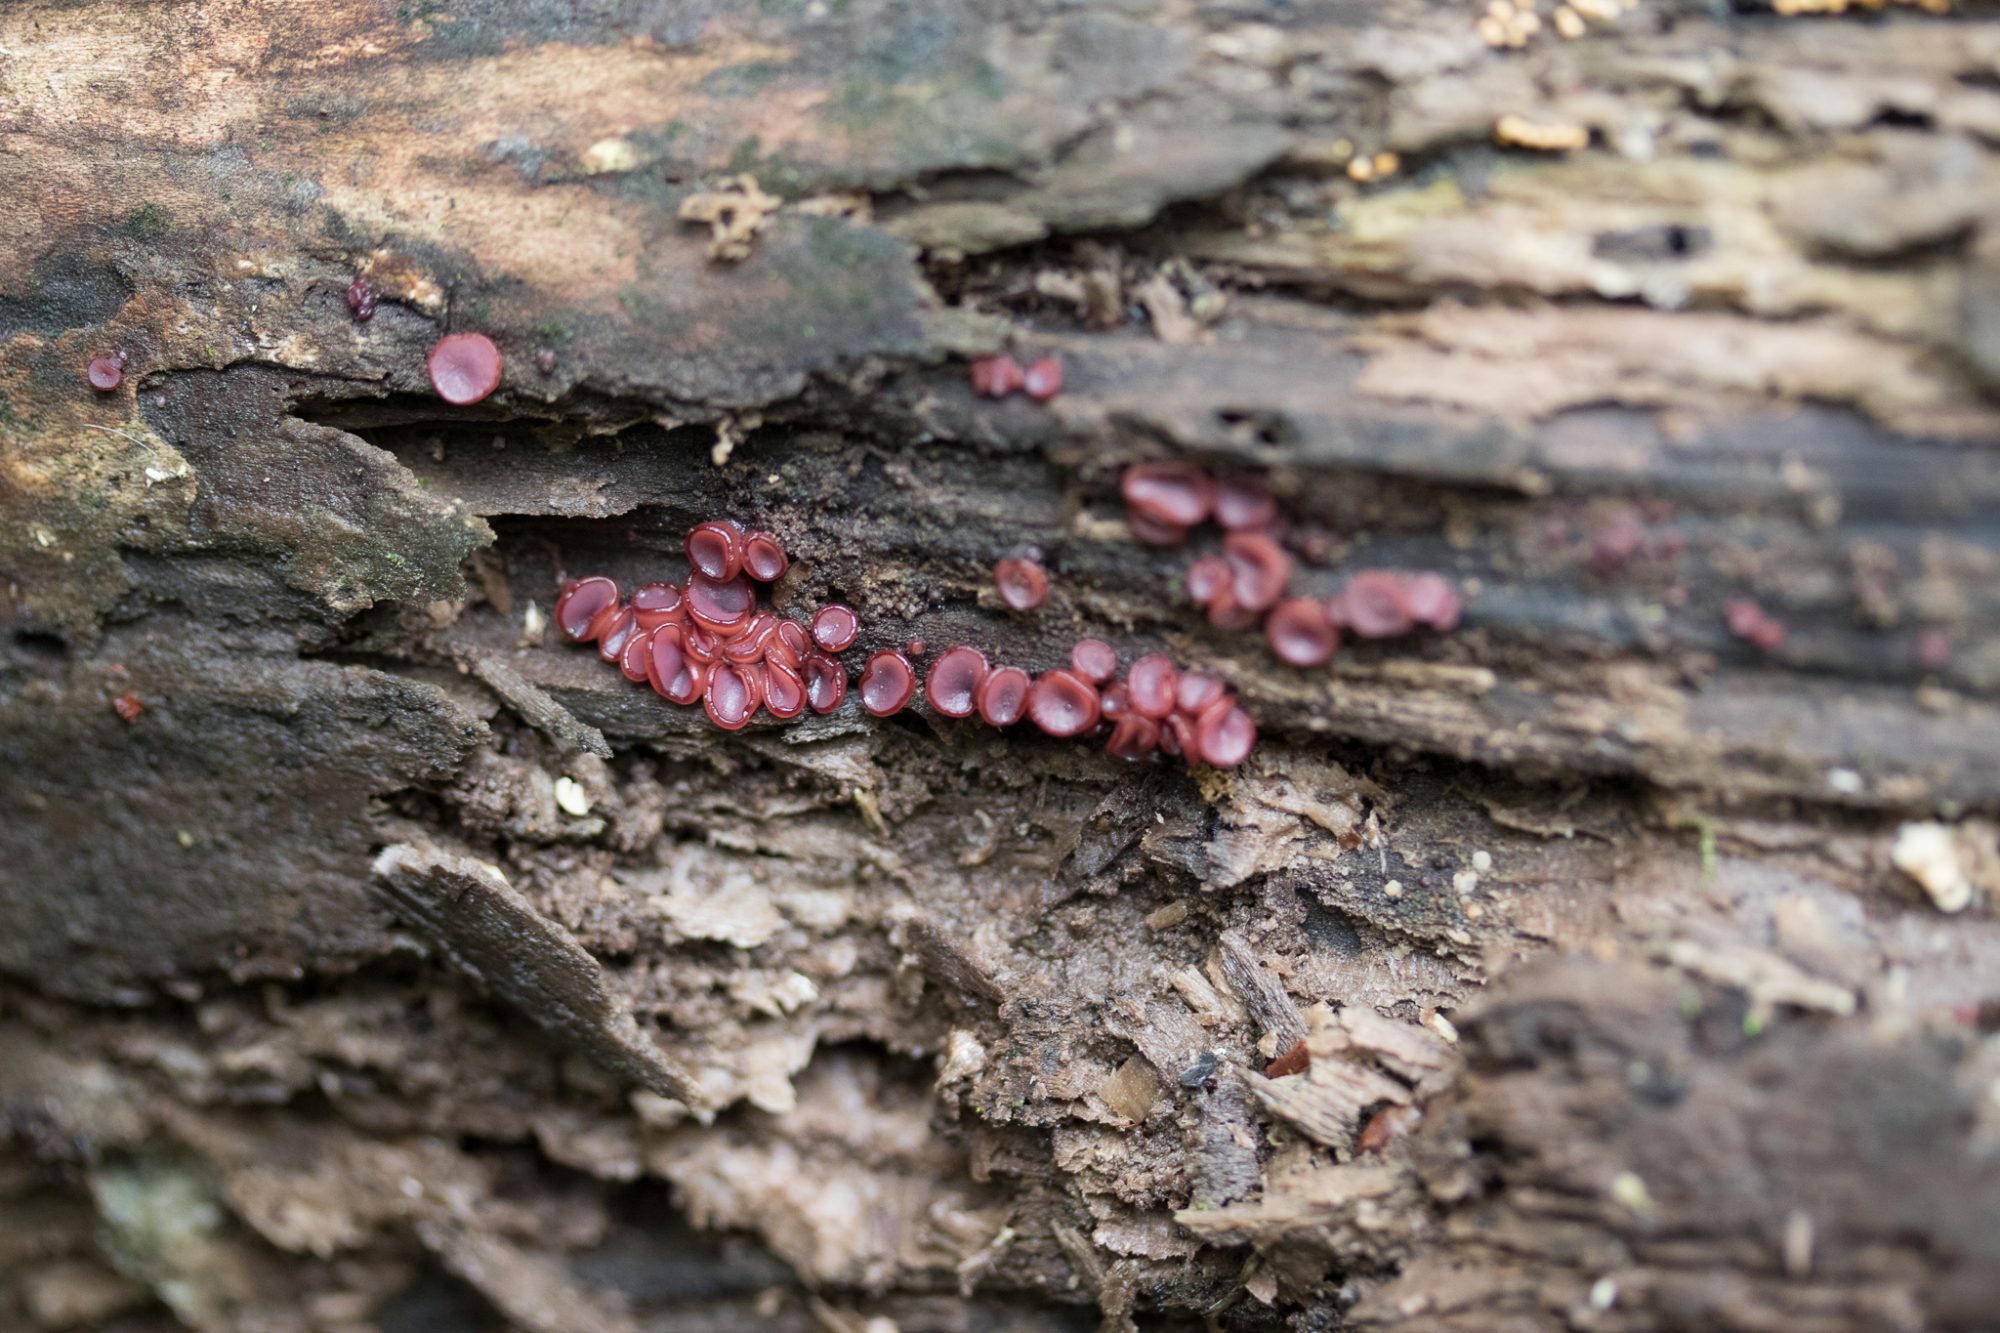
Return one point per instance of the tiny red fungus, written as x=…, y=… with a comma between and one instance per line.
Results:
x=128, y=706
x=637, y=652
x=764, y=557
x=1752, y=624
x=1373, y=605
x=1177, y=495
x=1150, y=684
x=887, y=682
x=749, y=643
x=715, y=548
x=1043, y=379
x=784, y=690
x=1003, y=697
x=1063, y=703
x=702, y=643
x=464, y=367
x=1023, y=585
x=789, y=645
x=1134, y=737
x=721, y=606
x=659, y=604
x=1094, y=659
x=611, y=639
x=1245, y=504
x=579, y=604
x=1301, y=633
x=731, y=696
x=826, y=683
x=106, y=373
x=1206, y=577
x=952, y=688
x=1259, y=569
x=1113, y=701
x=1153, y=532
x=1431, y=600
x=667, y=661
x=361, y=300
x=1194, y=692
x=1224, y=734
x=833, y=627
x=915, y=647
x=995, y=376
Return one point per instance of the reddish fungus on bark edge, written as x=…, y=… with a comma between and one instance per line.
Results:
x=887, y=682
x=1063, y=703
x=1023, y=585
x=834, y=627
x=1003, y=696
x=105, y=373
x=1301, y=633
x=1094, y=659
x=464, y=368
x=952, y=688
x=1176, y=495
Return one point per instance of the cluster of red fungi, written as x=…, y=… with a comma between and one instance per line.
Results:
x=707, y=641
x=1246, y=583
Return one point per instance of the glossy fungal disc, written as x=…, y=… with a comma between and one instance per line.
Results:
x=784, y=690
x=579, y=604
x=833, y=627
x=1178, y=495
x=464, y=367
x=1259, y=568
x=887, y=683
x=659, y=604
x=1003, y=696
x=1094, y=659
x=715, y=548
x=1245, y=504
x=105, y=373
x=1134, y=737
x=1063, y=703
x=1023, y=585
x=1224, y=734
x=1373, y=605
x=826, y=683
x=731, y=696
x=1043, y=379
x=764, y=558
x=1150, y=685
x=953, y=685
x=1431, y=600
x=722, y=606
x=611, y=639
x=1301, y=633
x=638, y=648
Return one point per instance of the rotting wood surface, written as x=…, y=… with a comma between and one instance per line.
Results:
x=904, y=1020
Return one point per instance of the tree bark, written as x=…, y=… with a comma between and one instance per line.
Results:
x=1591, y=966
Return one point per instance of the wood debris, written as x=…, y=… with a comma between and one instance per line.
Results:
x=734, y=213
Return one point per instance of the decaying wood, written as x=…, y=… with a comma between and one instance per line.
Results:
x=395, y=965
